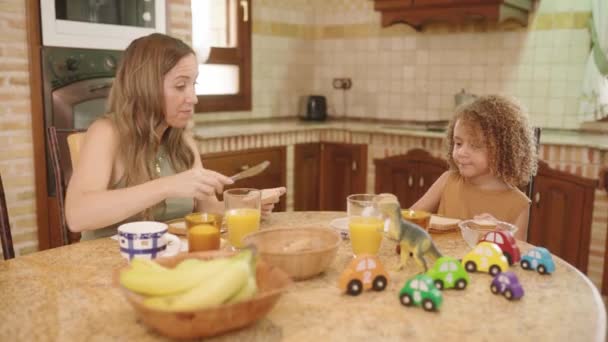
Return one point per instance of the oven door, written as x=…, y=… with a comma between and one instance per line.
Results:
x=75, y=106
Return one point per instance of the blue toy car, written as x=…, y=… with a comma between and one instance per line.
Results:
x=538, y=259
x=507, y=284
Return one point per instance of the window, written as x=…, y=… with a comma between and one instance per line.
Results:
x=224, y=82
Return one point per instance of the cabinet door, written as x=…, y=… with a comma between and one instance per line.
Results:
x=343, y=172
x=307, y=168
x=561, y=212
x=229, y=163
x=398, y=178
x=408, y=176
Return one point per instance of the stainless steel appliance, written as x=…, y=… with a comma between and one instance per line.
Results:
x=102, y=24
x=76, y=84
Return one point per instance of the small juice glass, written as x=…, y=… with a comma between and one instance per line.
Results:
x=242, y=213
x=203, y=237
x=365, y=224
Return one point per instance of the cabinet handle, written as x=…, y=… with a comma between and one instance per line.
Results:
x=410, y=181
x=537, y=198
x=245, y=6
x=421, y=183
x=354, y=166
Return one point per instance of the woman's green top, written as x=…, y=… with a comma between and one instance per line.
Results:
x=173, y=208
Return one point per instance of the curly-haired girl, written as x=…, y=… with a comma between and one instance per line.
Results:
x=491, y=152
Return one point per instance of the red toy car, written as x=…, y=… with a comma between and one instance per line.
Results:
x=507, y=244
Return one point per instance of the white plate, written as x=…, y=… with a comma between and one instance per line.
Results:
x=341, y=225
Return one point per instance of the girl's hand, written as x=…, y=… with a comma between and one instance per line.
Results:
x=269, y=198
x=196, y=183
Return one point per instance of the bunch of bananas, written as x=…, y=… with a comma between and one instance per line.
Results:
x=193, y=284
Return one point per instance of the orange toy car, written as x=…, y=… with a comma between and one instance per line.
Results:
x=363, y=273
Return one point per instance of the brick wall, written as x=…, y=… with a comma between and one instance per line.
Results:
x=16, y=149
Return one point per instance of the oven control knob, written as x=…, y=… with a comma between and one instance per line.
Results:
x=72, y=64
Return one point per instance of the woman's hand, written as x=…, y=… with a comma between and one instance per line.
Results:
x=196, y=183
x=269, y=198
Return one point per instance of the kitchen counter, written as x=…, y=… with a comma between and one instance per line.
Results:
x=67, y=294
x=223, y=129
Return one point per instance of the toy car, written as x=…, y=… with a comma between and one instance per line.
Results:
x=507, y=284
x=363, y=272
x=538, y=259
x=507, y=244
x=448, y=273
x=485, y=257
x=420, y=290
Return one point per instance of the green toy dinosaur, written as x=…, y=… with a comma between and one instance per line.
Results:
x=413, y=240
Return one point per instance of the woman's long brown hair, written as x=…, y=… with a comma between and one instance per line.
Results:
x=136, y=108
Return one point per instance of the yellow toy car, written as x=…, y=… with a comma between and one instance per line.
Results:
x=485, y=257
x=363, y=273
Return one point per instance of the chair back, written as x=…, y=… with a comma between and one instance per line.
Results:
x=5, y=229
x=64, y=147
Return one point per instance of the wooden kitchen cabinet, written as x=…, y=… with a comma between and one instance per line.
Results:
x=326, y=173
x=561, y=212
x=408, y=176
x=417, y=13
x=229, y=163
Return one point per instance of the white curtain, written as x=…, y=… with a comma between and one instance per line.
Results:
x=594, y=102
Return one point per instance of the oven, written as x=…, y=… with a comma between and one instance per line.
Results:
x=101, y=24
x=76, y=85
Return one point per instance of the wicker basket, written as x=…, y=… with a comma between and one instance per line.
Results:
x=271, y=282
x=301, y=252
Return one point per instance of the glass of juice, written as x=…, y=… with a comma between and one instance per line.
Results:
x=365, y=224
x=203, y=231
x=203, y=237
x=242, y=213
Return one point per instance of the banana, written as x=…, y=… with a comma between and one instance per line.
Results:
x=189, y=263
x=211, y=291
x=246, y=292
x=140, y=264
x=171, y=281
x=251, y=288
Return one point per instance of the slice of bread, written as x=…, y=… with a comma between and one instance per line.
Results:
x=484, y=225
x=443, y=223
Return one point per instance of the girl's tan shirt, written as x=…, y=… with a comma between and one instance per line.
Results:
x=463, y=200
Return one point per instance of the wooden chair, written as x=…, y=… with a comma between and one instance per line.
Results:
x=63, y=143
x=5, y=229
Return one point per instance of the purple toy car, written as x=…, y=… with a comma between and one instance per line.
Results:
x=507, y=284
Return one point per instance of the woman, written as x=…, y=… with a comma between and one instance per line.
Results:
x=139, y=161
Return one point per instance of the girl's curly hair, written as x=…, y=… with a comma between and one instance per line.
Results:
x=502, y=126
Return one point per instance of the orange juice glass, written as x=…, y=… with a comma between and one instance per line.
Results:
x=365, y=234
x=203, y=237
x=242, y=214
x=365, y=223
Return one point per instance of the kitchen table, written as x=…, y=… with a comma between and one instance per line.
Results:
x=67, y=294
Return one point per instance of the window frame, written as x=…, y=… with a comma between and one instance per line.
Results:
x=239, y=56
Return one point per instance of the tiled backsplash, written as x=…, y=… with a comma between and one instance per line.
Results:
x=399, y=73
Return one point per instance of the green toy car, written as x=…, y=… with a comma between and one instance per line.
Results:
x=421, y=291
x=448, y=273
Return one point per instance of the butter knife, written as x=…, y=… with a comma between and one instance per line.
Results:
x=252, y=171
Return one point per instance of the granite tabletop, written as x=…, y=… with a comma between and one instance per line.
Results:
x=222, y=129
x=66, y=294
